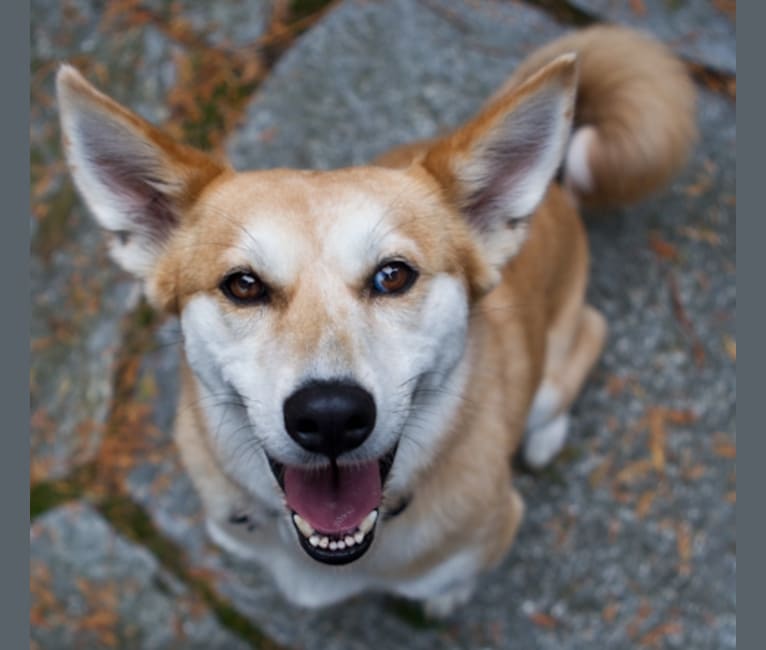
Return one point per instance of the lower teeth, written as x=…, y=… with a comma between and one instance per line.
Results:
x=349, y=540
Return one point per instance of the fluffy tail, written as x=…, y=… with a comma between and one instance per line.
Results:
x=634, y=123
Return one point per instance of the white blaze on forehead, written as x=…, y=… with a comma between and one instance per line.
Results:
x=272, y=247
x=348, y=232
x=361, y=232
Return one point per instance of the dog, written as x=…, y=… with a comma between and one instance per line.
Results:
x=365, y=349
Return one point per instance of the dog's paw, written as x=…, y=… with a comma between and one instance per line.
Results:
x=443, y=605
x=544, y=407
x=542, y=444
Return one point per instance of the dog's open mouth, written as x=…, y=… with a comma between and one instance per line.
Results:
x=335, y=508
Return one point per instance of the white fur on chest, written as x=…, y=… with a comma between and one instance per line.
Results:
x=307, y=583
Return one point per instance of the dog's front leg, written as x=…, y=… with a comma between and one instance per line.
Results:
x=452, y=583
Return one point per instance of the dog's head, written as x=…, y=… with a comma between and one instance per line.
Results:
x=325, y=315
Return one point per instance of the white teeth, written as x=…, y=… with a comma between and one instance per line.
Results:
x=303, y=526
x=368, y=522
x=324, y=542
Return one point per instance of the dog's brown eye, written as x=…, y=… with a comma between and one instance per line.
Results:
x=244, y=287
x=393, y=278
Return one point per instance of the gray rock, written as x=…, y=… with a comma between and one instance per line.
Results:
x=233, y=23
x=133, y=64
x=78, y=301
x=79, y=297
x=91, y=588
x=374, y=75
x=701, y=31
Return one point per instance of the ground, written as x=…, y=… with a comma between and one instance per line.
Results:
x=629, y=539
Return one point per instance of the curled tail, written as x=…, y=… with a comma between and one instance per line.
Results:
x=634, y=122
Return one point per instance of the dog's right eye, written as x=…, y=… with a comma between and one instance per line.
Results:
x=244, y=288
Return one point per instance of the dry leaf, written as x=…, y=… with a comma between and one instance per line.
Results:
x=725, y=450
x=655, y=636
x=680, y=416
x=635, y=470
x=694, y=473
x=728, y=7
x=544, y=620
x=657, y=436
x=609, y=613
x=663, y=249
x=684, y=546
x=701, y=235
x=645, y=503
x=638, y=7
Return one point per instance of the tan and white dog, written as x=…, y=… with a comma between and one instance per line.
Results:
x=366, y=348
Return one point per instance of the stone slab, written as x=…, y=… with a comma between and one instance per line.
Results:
x=79, y=297
x=90, y=588
x=235, y=23
x=705, y=32
x=373, y=75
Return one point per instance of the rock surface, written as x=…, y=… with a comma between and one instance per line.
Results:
x=629, y=539
x=700, y=31
x=79, y=297
x=374, y=75
x=231, y=23
x=93, y=589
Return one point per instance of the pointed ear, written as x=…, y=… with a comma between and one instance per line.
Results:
x=136, y=181
x=497, y=168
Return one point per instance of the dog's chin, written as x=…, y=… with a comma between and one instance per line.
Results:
x=334, y=508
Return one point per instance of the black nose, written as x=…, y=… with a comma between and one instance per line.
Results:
x=329, y=417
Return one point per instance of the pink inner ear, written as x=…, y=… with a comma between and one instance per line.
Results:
x=126, y=172
x=517, y=163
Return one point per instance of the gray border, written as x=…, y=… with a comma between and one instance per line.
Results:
x=751, y=539
x=14, y=269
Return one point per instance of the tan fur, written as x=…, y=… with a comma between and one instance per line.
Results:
x=529, y=323
x=511, y=335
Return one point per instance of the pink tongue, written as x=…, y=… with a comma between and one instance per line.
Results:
x=333, y=504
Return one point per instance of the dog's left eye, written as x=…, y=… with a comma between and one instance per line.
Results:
x=244, y=287
x=393, y=278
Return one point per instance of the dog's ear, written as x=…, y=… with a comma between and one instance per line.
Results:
x=496, y=168
x=136, y=180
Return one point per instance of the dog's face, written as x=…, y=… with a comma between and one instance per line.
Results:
x=325, y=314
